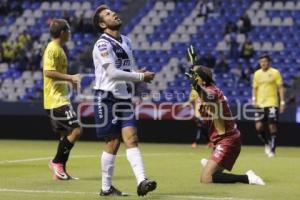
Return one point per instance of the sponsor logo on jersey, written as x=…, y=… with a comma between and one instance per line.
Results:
x=102, y=47
x=122, y=63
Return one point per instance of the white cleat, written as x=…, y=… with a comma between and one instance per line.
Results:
x=254, y=179
x=271, y=155
x=203, y=162
x=267, y=149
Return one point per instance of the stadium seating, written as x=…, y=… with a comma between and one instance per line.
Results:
x=161, y=31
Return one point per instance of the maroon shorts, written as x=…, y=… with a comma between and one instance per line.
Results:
x=226, y=151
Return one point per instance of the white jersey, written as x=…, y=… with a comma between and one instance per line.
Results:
x=108, y=50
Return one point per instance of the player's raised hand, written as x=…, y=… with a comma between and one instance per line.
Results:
x=148, y=76
x=191, y=55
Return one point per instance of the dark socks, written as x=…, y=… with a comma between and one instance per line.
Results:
x=198, y=135
x=63, y=151
x=229, y=178
x=263, y=137
x=273, y=142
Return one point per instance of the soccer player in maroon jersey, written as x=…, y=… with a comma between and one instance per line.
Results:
x=223, y=133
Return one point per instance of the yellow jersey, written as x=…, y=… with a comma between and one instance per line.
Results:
x=55, y=92
x=193, y=99
x=267, y=84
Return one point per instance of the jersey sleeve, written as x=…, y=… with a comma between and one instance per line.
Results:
x=212, y=95
x=193, y=95
x=278, y=78
x=51, y=58
x=104, y=52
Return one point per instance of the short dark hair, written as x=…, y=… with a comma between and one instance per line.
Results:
x=57, y=26
x=266, y=56
x=97, y=19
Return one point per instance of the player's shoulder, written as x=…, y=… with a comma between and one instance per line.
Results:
x=52, y=46
x=213, y=90
x=102, y=41
x=126, y=38
x=52, y=50
x=194, y=92
x=257, y=72
x=102, y=44
x=274, y=70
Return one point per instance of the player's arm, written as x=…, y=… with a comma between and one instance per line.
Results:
x=103, y=50
x=254, y=95
x=279, y=83
x=62, y=77
x=51, y=64
x=254, y=89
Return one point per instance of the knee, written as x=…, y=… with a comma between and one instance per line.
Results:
x=112, y=146
x=272, y=128
x=77, y=132
x=131, y=141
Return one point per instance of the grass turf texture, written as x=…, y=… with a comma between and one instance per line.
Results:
x=24, y=172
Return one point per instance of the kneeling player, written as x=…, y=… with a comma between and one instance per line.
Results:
x=222, y=131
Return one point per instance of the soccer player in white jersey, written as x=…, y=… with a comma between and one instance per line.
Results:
x=114, y=112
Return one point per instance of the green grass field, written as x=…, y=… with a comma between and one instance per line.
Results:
x=24, y=173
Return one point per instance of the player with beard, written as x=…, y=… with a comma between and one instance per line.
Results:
x=114, y=111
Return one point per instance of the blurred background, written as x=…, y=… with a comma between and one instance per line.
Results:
x=228, y=35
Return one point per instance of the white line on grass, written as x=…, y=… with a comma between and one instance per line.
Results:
x=94, y=193
x=89, y=156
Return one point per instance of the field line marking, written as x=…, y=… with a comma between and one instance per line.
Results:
x=90, y=156
x=94, y=193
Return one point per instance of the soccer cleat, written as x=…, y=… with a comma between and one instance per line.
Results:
x=58, y=171
x=112, y=192
x=203, y=162
x=71, y=177
x=267, y=149
x=271, y=154
x=254, y=179
x=146, y=186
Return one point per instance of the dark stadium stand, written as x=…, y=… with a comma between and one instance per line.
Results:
x=161, y=31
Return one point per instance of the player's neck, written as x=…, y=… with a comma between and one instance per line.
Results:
x=265, y=69
x=113, y=33
x=58, y=41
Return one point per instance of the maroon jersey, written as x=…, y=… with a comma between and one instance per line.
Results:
x=217, y=116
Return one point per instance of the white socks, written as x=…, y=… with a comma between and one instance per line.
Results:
x=107, y=167
x=135, y=159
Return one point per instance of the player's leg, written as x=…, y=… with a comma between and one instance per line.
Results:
x=272, y=125
x=273, y=132
x=64, y=120
x=261, y=134
x=213, y=173
x=111, y=132
x=135, y=159
x=198, y=133
x=261, y=117
x=108, y=157
x=223, y=157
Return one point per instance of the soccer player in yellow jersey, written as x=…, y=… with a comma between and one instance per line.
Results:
x=56, y=101
x=267, y=84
